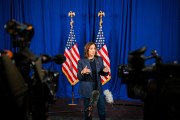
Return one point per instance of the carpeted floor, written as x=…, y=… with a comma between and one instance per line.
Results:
x=68, y=109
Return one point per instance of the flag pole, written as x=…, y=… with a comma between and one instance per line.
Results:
x=72, y=14
x=72, y=99
x=102, y=48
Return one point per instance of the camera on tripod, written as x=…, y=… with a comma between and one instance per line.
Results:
x=28, y=86
x=158, y=85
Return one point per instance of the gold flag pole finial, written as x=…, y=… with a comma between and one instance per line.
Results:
x=71, y=14
x=101, y=14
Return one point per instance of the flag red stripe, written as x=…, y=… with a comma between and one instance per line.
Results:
x=70, y=66
x=72, y=55
x=68, y=76
x=104, y=58
x=104, y=50
x=71, y=75
x=75, y=48
x=74, y=62
x=104, y=54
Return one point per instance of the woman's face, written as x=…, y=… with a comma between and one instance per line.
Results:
x=92, y=50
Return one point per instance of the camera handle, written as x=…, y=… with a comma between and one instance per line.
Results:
x=155, y=55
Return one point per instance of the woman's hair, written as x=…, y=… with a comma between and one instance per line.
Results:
x=86, y=49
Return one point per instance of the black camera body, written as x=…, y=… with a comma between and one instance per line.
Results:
x=21, y=33
x=25, y=86
x=157, y=85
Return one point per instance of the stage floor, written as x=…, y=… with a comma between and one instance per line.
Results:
x=69, y=109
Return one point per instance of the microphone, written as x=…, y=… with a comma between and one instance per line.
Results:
x=94, y=98
x=93, y=101
x=58, y=59
x=108, y=96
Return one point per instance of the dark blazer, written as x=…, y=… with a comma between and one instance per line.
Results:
x=86, y=82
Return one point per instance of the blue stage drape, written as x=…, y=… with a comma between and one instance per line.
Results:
x=127, y=25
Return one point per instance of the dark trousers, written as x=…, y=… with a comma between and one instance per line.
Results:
x=100, y=107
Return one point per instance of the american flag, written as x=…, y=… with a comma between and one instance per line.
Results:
x=103, y=52
x=69, y=67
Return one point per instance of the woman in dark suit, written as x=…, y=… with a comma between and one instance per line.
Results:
x=89, y=70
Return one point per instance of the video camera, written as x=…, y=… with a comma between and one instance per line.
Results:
x=24, y=85
x=21, y=33
x=157, y=85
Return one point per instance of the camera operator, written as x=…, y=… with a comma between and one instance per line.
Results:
x=157, y=85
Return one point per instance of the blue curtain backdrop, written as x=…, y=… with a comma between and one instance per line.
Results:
x=127, y=25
